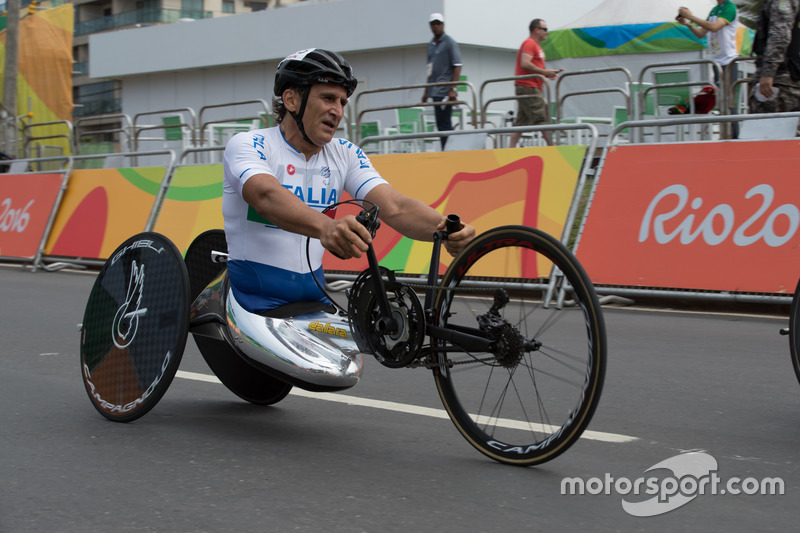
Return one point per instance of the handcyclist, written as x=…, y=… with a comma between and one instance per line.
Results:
x=278, y=180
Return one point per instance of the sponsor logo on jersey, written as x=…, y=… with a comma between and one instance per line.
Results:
x=363, y=160
x=258, y=144
x=315, y=197
x=290, y=170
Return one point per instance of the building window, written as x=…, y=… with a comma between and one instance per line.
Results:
x=227, y=6
x=258, y=6
x=191, y=5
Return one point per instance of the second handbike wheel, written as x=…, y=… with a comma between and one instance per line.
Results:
x=533, y=395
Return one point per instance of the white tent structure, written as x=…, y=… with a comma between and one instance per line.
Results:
x=631, y=34
x=618, y=12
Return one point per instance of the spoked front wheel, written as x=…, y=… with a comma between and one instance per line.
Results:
x=529, y=397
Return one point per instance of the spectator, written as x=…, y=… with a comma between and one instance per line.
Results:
x=444, y=64
x=720, y=26
x=530, y=60
x=775, y=87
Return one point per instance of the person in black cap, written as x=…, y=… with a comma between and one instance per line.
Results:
x=444, y=64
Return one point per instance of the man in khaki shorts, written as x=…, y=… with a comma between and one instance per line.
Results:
x=530, y=60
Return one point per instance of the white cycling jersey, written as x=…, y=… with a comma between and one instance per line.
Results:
x=340, y=166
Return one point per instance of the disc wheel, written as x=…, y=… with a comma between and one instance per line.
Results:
x=530, y=396
x=794, y=331
x=135, y=327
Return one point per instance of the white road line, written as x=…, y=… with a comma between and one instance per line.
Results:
x=405, y=408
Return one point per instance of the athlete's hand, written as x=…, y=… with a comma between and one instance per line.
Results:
x=456, y=241
x=346, y=237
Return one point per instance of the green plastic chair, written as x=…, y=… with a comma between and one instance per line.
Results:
x=370, y=129
x=670, y=96
x=409, y=119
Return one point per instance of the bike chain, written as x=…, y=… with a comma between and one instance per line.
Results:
x=440, y=288
x=431, y=365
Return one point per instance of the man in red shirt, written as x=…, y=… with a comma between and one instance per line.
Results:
x=532, y=110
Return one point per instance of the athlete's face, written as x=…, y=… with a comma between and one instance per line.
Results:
x=324, y=111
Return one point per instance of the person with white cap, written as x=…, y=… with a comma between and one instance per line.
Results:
x=444, y=64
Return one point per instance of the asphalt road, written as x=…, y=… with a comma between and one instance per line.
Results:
x=366, y=460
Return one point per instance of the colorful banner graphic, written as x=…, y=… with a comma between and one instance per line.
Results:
x=44, y=81
x=101, y=208
x=528, y=186
x=26, y=202
x=631, y=39
x=193, y=204
x=720, y=216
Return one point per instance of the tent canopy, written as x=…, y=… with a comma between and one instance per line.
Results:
x=622, y=12
x=631, y=34
x=633, y=27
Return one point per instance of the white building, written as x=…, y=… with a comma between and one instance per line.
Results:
x=232, y=59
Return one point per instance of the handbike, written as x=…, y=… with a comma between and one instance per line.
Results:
x=519, y=376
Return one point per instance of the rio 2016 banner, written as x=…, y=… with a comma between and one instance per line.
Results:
x=101, y=208
x=26, y=202
x=720, y=217
x=193, y=204
x=486, y=188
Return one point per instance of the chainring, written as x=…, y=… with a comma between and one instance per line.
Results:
x=394, y=350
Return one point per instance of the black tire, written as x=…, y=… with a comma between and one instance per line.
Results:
x=794, y=331
x=527, y=404
x=241, y=378
x=201, y=269
x=135, y=327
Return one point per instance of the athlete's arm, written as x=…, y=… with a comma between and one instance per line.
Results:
x=414, y=219
x=345, y=237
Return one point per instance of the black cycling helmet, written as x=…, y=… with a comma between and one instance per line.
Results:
x=309, y=67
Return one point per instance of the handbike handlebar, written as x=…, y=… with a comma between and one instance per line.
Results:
x=369, y=219
x=452, y=224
